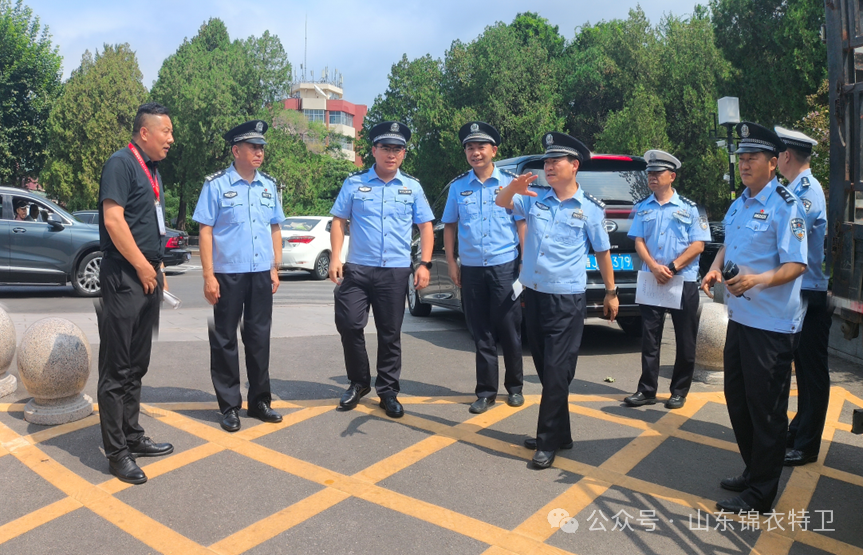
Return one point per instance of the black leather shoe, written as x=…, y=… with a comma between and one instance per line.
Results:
x=127, y=471
x=796, y=457
x=530, y=443
x=675, y=402
x=352, y=396
x=737, y=505
x=638, y=399
x=515, y=399
x=737, y=483
x=231, y=420
x=393, y=407
x=263, y=412
x=146, y=448
x=543, y=459
x=481, y=405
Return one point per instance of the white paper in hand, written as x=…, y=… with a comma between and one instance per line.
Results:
x=651, y=292
x=517, y=288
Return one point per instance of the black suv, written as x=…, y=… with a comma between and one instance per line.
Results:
x=619, y=181
x=174, y=241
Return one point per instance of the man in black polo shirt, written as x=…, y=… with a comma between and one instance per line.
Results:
x=131, y=226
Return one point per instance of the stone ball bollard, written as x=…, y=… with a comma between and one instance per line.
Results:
x=710, y=341
x=54, y=364
x=8, y=382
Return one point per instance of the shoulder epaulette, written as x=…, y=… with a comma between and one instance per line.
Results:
x=594, y=199
x=360, y=172
x=688, y=201
x=412, y=177
x=509, y=173
x=787, y=195
x=213, y=176
x=456, y=178
x=270, y=177
x=804, y=181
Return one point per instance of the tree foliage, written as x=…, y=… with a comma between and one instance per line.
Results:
x=91, y=119
x=211, y=84
x=29, y=83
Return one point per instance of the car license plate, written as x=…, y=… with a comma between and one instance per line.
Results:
x=620, y=262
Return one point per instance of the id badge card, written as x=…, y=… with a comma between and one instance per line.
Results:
x=160, y=217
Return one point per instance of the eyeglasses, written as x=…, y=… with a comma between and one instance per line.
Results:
x=391, y=149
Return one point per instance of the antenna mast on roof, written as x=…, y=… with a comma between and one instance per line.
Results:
x=306, y=50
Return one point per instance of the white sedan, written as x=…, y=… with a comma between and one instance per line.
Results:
x=306, y=245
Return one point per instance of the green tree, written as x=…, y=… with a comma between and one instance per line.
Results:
x=91, y=119
x=29, y=82
x=775, y=48
x=636, y=128
x=210, y=84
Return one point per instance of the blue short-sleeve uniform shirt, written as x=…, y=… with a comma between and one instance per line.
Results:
x=809, y=190
x=240, y=214
x=487, y=234
x=381, y=215
x=558, y=237
x=762, y=233
x=668, y=230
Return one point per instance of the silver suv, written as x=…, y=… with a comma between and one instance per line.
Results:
x=50, y=246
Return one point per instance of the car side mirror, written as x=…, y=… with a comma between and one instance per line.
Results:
x=54, y=222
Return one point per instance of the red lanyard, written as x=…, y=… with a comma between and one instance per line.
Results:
x=153, y=182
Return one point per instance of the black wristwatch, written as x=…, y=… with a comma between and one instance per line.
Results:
x=612, y=292
x=428, y=264
x=672, y=267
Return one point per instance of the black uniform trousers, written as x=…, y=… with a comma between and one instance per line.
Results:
x=685, y=322
x=250, y=296
x=384, y=290
x=757, y=382
x=813, y=375
x=554, y=327
x=127, y=319
x=493, y=316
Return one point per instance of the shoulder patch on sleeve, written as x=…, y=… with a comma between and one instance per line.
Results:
x=270, y=177
x=213, y=176
x=456, y=178
x=786, y=195
x=690, y=202
x=594, y=199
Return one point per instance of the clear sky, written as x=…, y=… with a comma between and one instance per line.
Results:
x=360, y=39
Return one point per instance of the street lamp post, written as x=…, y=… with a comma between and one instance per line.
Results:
x=729, y=116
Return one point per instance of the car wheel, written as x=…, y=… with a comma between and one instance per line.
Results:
x=322, y=266
x=415, y=306
x=630, y=325
x=86, y=279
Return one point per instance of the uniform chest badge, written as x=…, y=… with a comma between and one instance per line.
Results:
x=578, y=213
x=798, y=228
x=541, y=206
x=645, y=212
x=807, y=204
x=761, y=216
x=230, y=194
x=267, y=195
x=466, y=193
x=405, y=191
x=364, y=189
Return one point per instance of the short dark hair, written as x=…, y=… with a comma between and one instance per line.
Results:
x=801, y=156
x=148, y=109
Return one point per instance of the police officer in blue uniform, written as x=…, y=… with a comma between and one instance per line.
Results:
x=766, y=253
x=810, y=358
x=488, y=242
x=382, y=204
x=669, y=233
x=240, y=213
x=563, y=223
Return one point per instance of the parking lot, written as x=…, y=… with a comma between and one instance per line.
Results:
x=439, y=480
